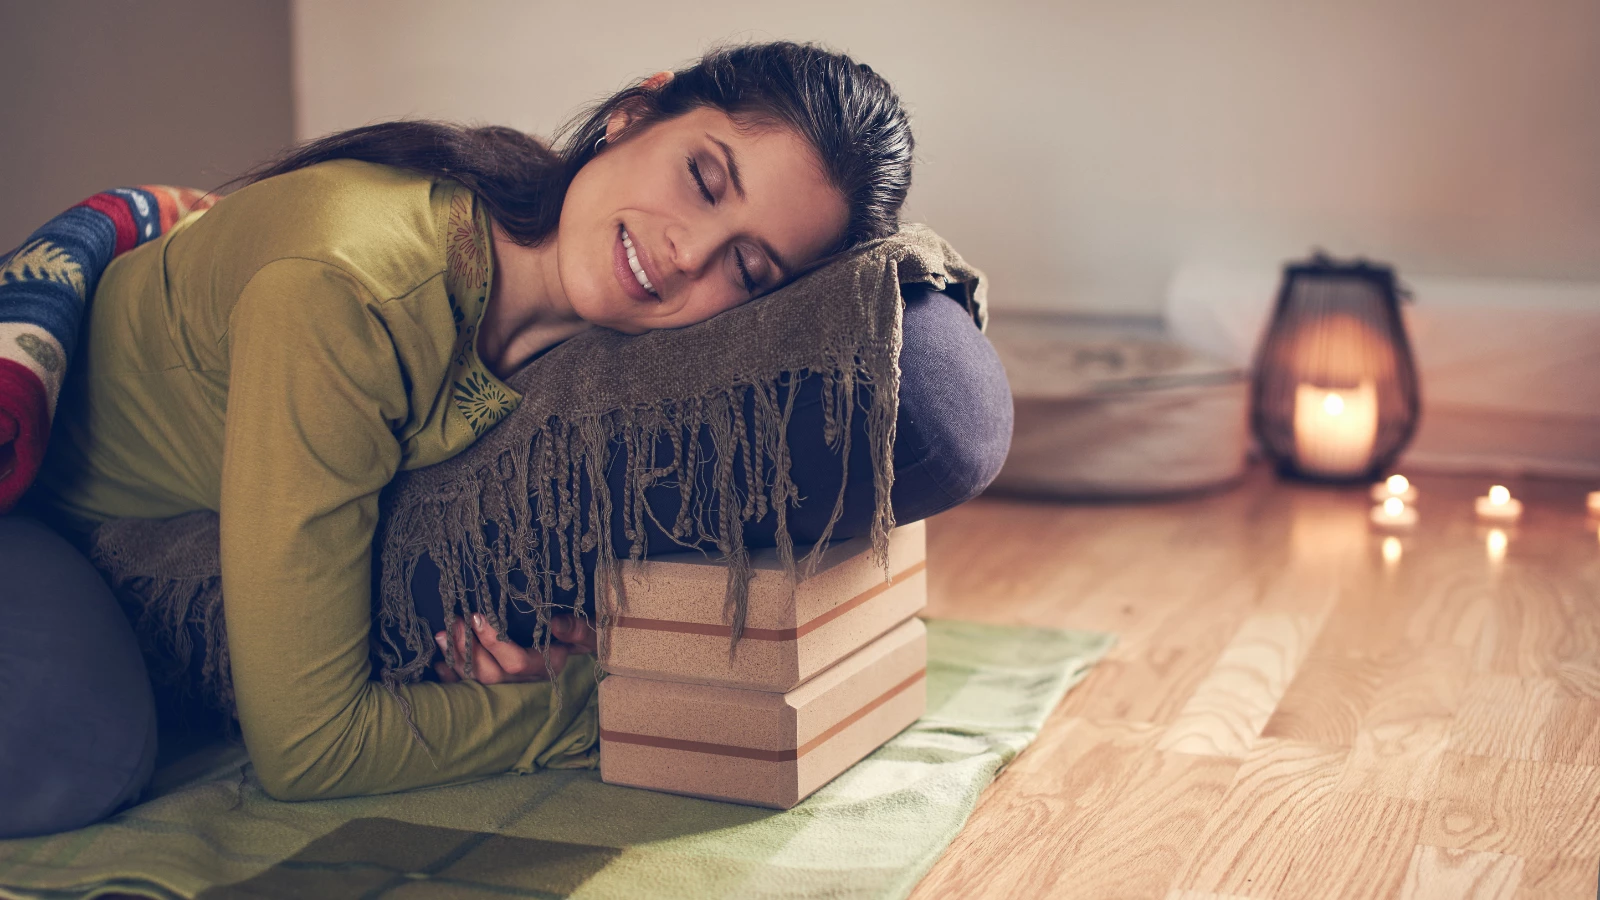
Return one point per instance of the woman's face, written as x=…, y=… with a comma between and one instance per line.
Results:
x=713, y=215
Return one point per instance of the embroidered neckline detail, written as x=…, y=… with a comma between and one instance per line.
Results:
x=480, y=398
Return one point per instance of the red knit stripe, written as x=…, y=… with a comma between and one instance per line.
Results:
x=116, y=209
x=24, y=429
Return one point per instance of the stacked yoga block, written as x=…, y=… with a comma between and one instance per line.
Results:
x=827, y=671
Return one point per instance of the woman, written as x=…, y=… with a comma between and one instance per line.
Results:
x=353, y=311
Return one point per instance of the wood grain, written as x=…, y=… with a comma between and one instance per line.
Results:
x=1120, y=814
x=1286, y=714
x=1440, y=874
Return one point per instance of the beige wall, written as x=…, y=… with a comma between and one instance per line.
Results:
x=101, y=93
x=1082, y=151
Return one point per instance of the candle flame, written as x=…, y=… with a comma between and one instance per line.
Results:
x=1394, y=506
x=1333, y=404
x=1391, y=549
x=1499, y=496
x=1398, y=484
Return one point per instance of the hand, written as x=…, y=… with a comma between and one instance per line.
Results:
x=498, y=662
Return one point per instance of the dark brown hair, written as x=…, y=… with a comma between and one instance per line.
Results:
x=846, y=111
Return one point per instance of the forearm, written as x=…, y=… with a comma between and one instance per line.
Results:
x=463, y=731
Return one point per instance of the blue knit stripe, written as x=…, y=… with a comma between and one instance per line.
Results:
x=88, y=239
x=146, y=212
x=50, y=305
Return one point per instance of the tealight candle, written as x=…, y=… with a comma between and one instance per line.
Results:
x=1395, y=486
x=1393, y=513
x=1499, y=506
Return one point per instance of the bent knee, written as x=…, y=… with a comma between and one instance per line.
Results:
x=77, y=715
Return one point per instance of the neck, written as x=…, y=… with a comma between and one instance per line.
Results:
x=527, y=310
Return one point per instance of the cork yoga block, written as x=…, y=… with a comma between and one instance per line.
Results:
x=672, y=627
x=758, y=747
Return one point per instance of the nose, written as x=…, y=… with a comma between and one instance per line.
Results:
x=695, y=246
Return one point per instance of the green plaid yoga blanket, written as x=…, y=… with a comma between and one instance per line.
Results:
x=210, y=832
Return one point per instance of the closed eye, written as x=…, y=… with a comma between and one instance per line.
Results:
x=749, y=283
x=694, y=170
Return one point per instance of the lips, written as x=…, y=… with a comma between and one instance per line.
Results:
x=624, y=272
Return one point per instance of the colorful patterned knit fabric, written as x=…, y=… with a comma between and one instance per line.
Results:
x=45, y=288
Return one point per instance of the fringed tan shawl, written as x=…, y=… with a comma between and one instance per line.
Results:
x=841, y=322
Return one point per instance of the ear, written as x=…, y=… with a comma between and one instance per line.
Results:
x=619, y=120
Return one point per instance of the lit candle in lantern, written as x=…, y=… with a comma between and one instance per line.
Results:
x=1393, y=514
x=1334, y=429
x=1395, y=486
x=1499, y=506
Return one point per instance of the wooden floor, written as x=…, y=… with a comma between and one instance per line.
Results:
x=1288, y=713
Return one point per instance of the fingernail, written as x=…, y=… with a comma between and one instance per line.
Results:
x=477, y=620
x=439, y=639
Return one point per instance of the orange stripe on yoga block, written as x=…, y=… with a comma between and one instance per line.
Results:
x=664, y=743
x=768, y=634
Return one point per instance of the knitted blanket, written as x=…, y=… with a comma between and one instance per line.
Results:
x=45, y=288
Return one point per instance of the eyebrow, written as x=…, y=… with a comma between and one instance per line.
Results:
x=738, y=186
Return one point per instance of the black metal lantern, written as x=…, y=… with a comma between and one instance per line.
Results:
x=1335, y=393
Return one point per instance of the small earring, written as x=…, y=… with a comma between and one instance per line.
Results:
x=600, y=144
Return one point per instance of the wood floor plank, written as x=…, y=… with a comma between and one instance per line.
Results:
x=1542, y=622
x=1361, y=848
x=1149, y=677
x=1571, y=732
x=1406, y=729
x=1504, y=717
x=1122, y=816
x=1327, y=700
x=1547, y=813
x=1249, y=845
x=1439, y=873
x=1397, y=759
x=1422, y=726
x=1227, y=711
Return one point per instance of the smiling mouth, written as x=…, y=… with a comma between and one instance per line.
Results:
x=634, y=264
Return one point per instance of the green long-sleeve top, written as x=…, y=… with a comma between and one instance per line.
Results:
x=278, y=359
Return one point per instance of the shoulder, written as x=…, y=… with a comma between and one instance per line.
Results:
x=381, y=225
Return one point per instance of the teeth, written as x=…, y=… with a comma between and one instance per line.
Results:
x=633, y=263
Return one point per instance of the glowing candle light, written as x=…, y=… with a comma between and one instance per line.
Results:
x=1594, y=503
x=1496, y=545
x=1395, y=486
x=1334, y=429
x=1393, y=514
x=1391, y=550
x=1499, y=506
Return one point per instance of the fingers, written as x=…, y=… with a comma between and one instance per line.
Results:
x=516, y=662
x=447, y=672
x=484, y=669
x=496, y=661
x=570, y=629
